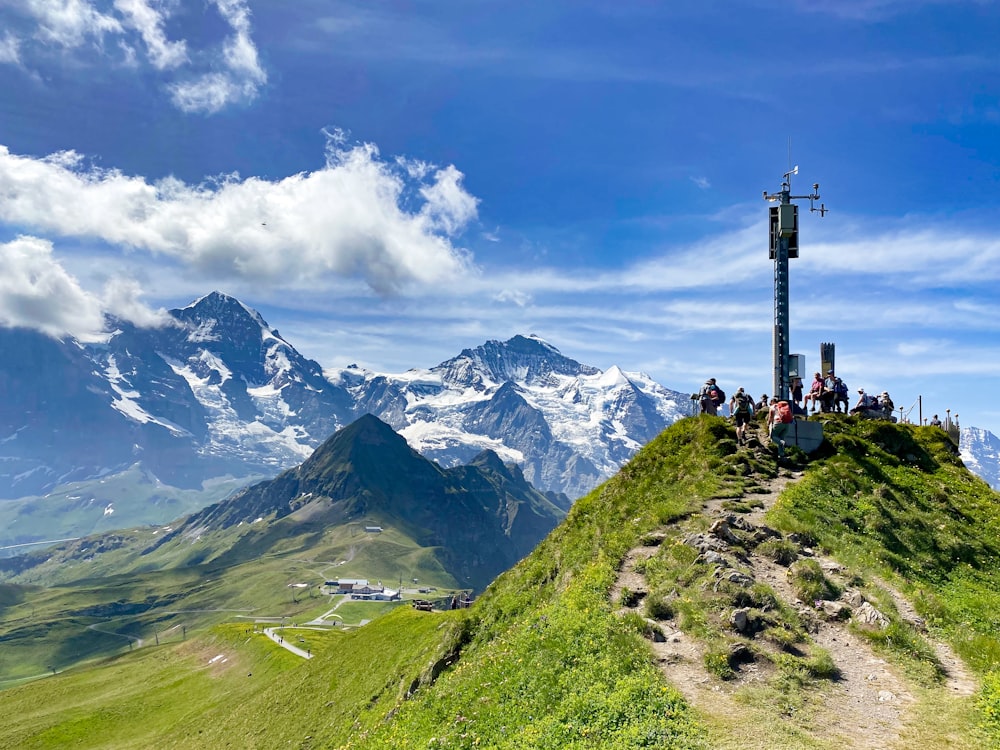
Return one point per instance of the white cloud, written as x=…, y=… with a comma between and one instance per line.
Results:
x=148, y=21
x=701, y=182
x=35, y=292
x=10, y=49
x=205, y=80
x=242, y=76
x=70, y=23
x=346, y=219
x=448, y=206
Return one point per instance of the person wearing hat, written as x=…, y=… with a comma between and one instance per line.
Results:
x=864, y=401
x=887, y=406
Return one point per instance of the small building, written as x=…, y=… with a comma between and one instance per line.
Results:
x=373, y=529
x=346, y=585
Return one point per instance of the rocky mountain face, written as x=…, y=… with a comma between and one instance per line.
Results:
x=980, y=450
x=568, y=425
x=218, y=392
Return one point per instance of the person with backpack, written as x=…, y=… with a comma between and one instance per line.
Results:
x=779, y=420
x=711, y=397
x=741, y=407
x=840, y=396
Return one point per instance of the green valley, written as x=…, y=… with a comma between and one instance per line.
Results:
x=704, y=597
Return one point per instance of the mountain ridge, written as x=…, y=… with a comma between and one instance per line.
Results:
x=476, y=520
x=218, y=396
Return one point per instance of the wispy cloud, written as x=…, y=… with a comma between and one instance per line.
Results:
x=10, y=49
x=149, y=22
x=71, y=23
x=204, y=80
x=242, y=75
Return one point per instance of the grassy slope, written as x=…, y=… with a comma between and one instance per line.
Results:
x=545, y=660
x=78, y=509
x=63, y=625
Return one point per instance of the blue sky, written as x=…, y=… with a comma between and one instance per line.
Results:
x=391, y=182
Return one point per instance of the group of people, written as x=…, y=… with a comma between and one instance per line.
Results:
x=826, y=394
x=742, y=408
x=872, y=405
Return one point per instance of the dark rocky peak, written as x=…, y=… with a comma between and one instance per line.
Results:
x=524, y=359
x=489, y=460
x=237, y=334
x=222, y=308
x=368, y=447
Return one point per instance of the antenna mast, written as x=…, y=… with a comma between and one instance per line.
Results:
x=784, y=244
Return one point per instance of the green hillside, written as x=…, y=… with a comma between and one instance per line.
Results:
x=620, y=630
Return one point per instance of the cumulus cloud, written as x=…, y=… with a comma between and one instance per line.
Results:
x=347, y=219
x=205, y=80
x=35, y=292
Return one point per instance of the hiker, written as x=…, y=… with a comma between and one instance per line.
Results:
x=935, y=422
x=796, y=391
x=710, y=398
x=864, y=402
x=840, y=396
x=887, y=406
x=761, y=406
x=815, y=390
x=778, y=420
x=829, y=392
x=741, y=407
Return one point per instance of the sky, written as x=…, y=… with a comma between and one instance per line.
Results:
x=391, y=182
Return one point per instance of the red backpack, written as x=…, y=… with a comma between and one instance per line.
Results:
x=783, y=412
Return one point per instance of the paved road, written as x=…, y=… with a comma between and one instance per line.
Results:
x=283, y=642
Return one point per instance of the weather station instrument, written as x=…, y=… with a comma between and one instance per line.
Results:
x=784, y=244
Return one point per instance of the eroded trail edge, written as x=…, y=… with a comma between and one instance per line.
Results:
x=867, y=704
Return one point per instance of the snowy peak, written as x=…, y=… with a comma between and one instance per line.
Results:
x=980, y=451
x=566, y=425
x=223, y=308
x=524, y=359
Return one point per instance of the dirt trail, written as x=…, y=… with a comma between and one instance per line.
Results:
x=865, y=708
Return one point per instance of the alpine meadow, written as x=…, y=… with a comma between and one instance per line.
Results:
x=705, y=596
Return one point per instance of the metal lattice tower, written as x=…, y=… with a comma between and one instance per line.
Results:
x=784, y=244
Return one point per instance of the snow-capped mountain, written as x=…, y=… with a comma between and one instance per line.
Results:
x=567, y=425
x=980, y=451
x=218, y=392
x=215, y=393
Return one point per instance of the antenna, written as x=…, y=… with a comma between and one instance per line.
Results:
x=784, y=244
